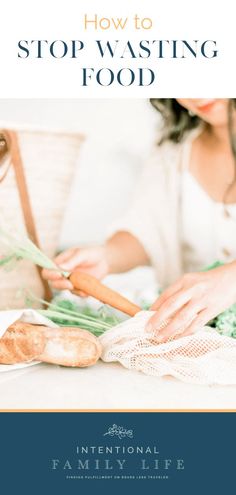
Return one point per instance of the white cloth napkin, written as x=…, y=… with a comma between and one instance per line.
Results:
x=7, y=318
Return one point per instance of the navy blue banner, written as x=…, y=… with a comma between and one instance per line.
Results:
x=73, y=453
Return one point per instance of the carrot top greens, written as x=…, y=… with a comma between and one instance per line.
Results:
x=22, y=248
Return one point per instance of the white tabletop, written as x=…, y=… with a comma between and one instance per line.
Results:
x=105, y=386
x=108, y=385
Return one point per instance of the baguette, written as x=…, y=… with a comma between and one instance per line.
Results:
x=68, y=346
x=21, y=343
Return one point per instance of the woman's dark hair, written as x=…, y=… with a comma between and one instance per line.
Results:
x=177, y=120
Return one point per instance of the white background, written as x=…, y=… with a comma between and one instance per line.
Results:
x=119, y=135
x=52, y=20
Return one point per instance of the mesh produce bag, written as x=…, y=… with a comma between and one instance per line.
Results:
x=203, y=358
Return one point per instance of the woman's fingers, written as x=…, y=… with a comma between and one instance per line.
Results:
x=58, y=282
x=200, y=321
x=168, y=308
x=77, y=258
x=68, y=261
x=79, y=293
x=62, y=284
x=188, y=320
x=65, y=256
x=51, y=275
x=166, y=294
x=179, y=323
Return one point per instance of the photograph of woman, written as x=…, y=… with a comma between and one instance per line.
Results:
x=171, y=216
x=182, y=220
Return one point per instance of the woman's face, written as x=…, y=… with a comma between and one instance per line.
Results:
x=214, y=111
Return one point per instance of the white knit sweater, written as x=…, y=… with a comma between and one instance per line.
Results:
x=157, y=214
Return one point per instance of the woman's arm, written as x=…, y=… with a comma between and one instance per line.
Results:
x=140, y=237
x=124, y=252
x=121, y=253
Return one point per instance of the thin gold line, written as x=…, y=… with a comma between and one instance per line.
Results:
x=117, y=410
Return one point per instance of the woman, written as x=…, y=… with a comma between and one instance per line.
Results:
x=183, y=218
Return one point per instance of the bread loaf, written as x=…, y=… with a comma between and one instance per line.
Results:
x=21, y=342
x=68, y=346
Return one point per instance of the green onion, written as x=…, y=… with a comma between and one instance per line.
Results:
x=24, y=248
x=61, y=319
x=65, y=312
x=7, y=259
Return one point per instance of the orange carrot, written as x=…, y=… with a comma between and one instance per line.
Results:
x=92, y=287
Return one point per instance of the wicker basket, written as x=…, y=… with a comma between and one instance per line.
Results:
x=49, y=162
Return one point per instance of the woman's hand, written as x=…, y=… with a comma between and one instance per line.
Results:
x=92, y=260
x=120, y=253
x=193, y=301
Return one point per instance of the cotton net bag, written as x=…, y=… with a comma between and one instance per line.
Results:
x=205, y=357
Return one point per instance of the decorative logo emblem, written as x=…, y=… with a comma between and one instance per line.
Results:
x=119, y=432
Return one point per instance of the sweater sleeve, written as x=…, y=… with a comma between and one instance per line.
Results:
x=145, y=218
